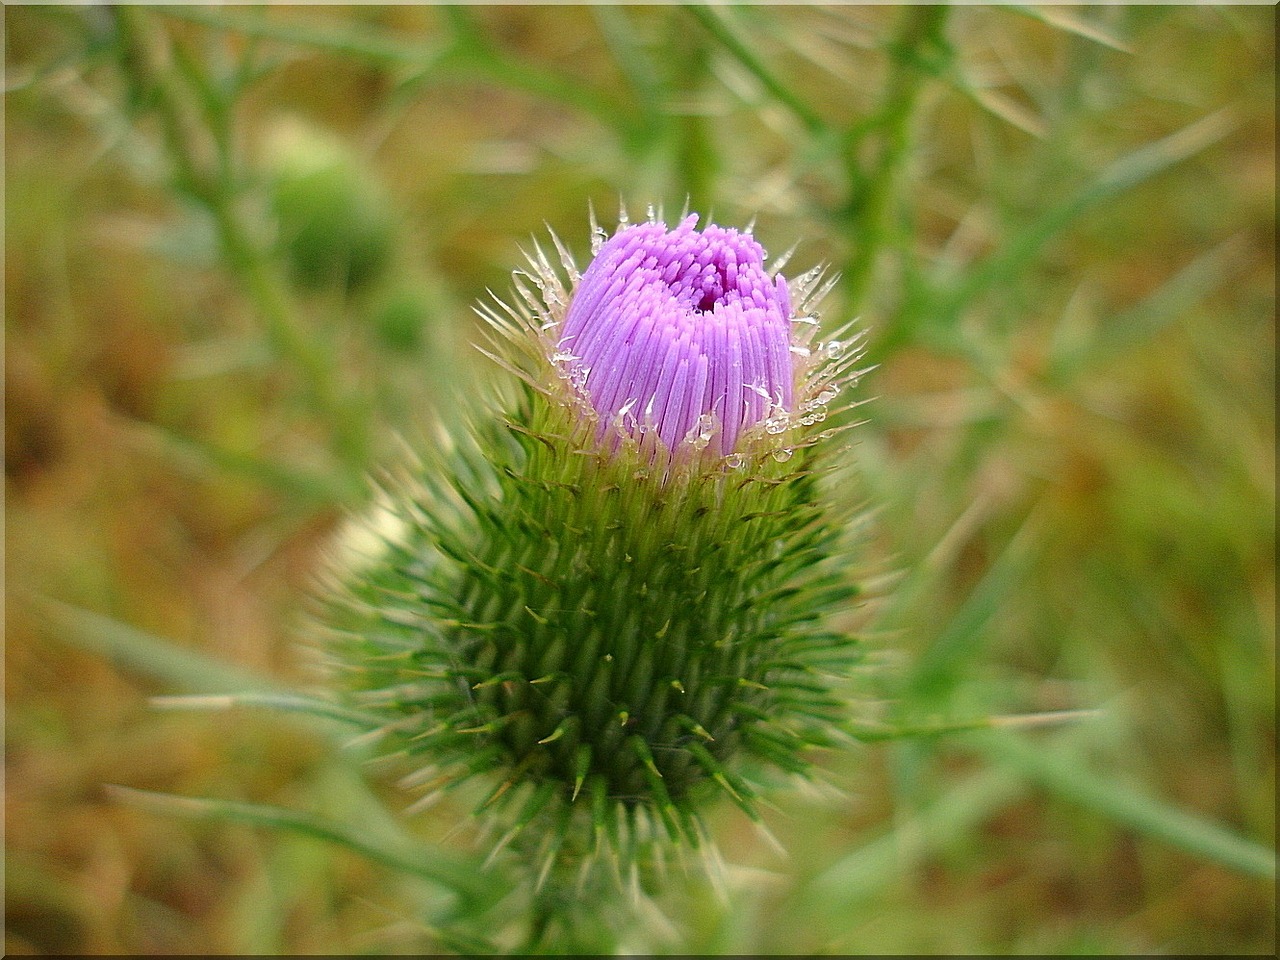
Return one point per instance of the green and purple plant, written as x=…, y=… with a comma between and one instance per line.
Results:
x=613, y=596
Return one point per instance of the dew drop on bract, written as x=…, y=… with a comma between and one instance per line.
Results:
x=701, y=432
x=598, y=236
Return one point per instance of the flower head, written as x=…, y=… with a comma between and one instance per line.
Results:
x=679, y=331
x=613, y=598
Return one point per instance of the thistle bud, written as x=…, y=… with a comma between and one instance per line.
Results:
x=610, y=599
x=335, y=224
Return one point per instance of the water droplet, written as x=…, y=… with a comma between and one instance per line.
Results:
x=775, y=425
x=598, y=236
x=834, y=349
x=701, y=432
x=735, y=461
x=782, y=455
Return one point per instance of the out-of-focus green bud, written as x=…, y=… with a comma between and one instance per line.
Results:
x=334, y=222
x=400, y=319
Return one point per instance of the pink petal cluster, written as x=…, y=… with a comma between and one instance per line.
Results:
x=677, y=332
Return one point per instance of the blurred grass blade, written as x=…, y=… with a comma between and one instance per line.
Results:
x=863, y=873
x=214, y=685
x=146, y=654
x=473, y=54
x=288, y=703
x=629, y=54
x=713, y=22
x=1068, y=21
x=1124, y=174
x=1143, y=321
x=1070, y=780
x=963, y=636
x=350, y=40
x=468, y=55
x=415, y=859
x=1000, y=105
x=205, y=459
x=872, y=732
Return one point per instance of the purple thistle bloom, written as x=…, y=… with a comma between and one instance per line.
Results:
x=681, y=333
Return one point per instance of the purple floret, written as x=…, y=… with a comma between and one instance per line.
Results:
x=668, y=327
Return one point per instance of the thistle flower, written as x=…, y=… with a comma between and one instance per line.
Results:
x=610, y=599
x=682, y=333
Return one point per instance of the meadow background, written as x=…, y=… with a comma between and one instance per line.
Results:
x=241, y=246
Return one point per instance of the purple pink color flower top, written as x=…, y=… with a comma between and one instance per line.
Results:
x=681, y=333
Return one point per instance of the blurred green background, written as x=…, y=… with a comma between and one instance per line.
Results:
x=241, y=248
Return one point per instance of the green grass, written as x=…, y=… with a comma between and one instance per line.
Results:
x=1058, y=227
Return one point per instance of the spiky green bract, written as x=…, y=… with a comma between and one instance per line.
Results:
x=611, y=633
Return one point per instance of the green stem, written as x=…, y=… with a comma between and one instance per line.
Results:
x=715, y=25
x=473, y=54
x=468, y=54
x=351, y=40
x=867, y=212
x=202, y=172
